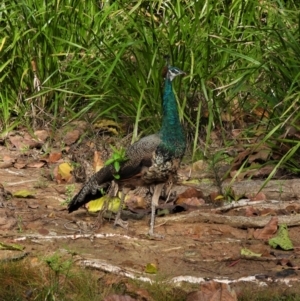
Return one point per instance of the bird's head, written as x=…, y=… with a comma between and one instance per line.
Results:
x=171, y=72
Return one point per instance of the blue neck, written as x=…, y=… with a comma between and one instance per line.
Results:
x=172, y=134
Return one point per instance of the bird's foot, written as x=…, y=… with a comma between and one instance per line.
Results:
x=121, y=223
x=153, y=235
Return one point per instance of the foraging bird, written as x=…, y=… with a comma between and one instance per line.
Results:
x=154, y=159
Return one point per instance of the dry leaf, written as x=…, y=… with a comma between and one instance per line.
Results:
x=71, y=137
x=42, y=135
x=20, y=165
x=38, y=164
x=24, y=142
x=54, y=157
x=213, y=291
x=62, y=173
x=268, y=231
x=193, y=201
x=97, y=162
x=191, y=192
x=258, y=197
x=134, y=202
x=251, y=211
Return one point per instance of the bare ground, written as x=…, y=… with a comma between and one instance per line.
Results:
x=197, y=245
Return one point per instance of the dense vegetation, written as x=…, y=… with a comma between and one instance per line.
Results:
x=93, y=59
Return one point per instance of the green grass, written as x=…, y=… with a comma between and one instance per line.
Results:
x=63, y=60
x=58, y=278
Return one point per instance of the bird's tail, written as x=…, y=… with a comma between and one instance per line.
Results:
x=92, y=188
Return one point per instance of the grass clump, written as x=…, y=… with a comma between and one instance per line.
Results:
x=63, y=60
x=27, y=281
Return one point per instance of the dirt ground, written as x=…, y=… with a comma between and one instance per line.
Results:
x=194, y=248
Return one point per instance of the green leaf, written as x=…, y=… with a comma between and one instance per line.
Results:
x=109, y=161
x=282, y=239
x=5, y=246
x=23, y=194
x=247, y=252
x=111, y=203
x=117, y=166
x=151, y=268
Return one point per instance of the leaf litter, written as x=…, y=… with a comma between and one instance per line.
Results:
x=202, y=242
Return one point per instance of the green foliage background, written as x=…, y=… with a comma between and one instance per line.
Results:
x=61, y=60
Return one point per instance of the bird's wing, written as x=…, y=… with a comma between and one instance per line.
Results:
x=139, y=156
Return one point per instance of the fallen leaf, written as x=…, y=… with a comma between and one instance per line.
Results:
x=106, y=202
x=19, y=165
x=249, y=253
x=71, y=137
x=213, y=291
x=37, y=164
x=6, y=246
x=151, y=268
x=24, y=193
x=192, y=202
x=42, y=135
x=54, y=157
x=282, y=239
x=268, y=231
x=191, y=192
x=268, y=211
x=251, y=211
x=97, y=162
x=134, y=202
x=43, y=231
x=24, y=142
x=64, y=170
x=257, y=197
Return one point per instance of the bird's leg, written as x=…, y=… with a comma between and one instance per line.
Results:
x=154, y=202
x=118, y=220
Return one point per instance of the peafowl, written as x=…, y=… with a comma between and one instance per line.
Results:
x=153, y=160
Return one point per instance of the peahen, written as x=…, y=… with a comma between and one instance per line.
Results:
x=153, y=159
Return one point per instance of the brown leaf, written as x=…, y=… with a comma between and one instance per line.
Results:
x=20, y=165
x=257, y=197
x=193, y=201
x=43, y=231
x=213, y=291
x=97, y=162
x=251, y=211
x=71, y=137
x=268, y=211
x=41, y=135
x=24, y=142
x=6, y=164
x=268, y=231
x=261, y=155
x=37, y=164
x=135, y=289
x=54, y=157
x=191, y=192
x=134, y=202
